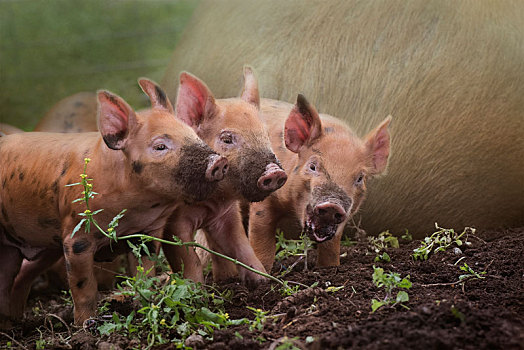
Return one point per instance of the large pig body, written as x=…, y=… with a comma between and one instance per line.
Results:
x=451, y=74
x=147, y=163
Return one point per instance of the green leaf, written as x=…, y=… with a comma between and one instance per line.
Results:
x=77, y=227
x=402, y=297
x=375, y=305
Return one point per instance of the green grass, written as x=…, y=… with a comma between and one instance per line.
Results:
x=52, y=49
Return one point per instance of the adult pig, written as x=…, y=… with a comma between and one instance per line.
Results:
x=75, y=113
x=451, y=73
x=147, y=163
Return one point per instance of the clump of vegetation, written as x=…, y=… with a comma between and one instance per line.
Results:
x=292, y=248
x=379, y=244
x=169, y=311
x=390, y=281
x=441, y=240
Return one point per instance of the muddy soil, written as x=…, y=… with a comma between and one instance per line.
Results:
x=441, y=313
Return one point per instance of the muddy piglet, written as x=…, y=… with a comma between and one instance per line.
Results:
x=328, y=168
x=147, y=163
x=233, y=128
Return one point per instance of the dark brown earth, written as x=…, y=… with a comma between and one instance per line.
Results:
x=479, y=314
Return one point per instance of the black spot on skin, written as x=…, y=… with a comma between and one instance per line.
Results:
x=259, y=213
x=296, y=169
x=58, y=240
x=162, y=99
x=112, y=140
x=49, y=222
x=137, y=166
x=80, y=284
x=12, y=175
x=329, y=130
x=4, y=214
x=21, y=176
x=64, y=168
x=80, y=246
x=54, y=187
x=79, y=104
x=155, y=205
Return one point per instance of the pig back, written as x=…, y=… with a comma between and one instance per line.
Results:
x=451, y=74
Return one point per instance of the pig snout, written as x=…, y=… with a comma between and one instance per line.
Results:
x=217, y=168
x=272, y=179
x=331, y=213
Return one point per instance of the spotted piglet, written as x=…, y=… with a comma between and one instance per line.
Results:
x=148, y=163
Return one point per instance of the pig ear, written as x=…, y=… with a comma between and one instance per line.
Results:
x=157, y=96
x=250, y=89
x=302, y=126
x=195, y=102
x=115, y=119
x=378, y=145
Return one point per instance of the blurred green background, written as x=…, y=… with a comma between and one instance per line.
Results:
x=54, y=48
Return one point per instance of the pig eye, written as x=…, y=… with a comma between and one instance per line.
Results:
x=227, y=138
x=160, y=147
x=312, y=167
x=359, y=180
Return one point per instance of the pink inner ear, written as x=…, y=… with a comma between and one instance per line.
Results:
x=379, y=145
x=191, y=100
x=114, y=116
x=296, y=131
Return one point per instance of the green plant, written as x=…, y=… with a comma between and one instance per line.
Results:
x=287, y=343
x=170, y=311
x=407, y=236
x=380, y=243
x=470, y=273
x=383, y=257
x=347, y=242
x=292, y=248
x=440, y=240
x=260, y=319
x=389, y=281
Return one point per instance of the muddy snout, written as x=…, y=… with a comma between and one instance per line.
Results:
x=329, y=213
x=217, y=168
x=272, y=179
x=324, y=216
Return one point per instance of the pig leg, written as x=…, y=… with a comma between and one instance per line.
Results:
x=27, y=274
x=228, y=236
x=10, y=261
x=329, y=252
x=79, y=255
x=262, y=233
x=182, y=258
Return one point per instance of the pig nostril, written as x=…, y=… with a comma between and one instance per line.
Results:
x=321, y=212
x=214, y=172
x=281, y=182
x=267, y=182
x=338, y=217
